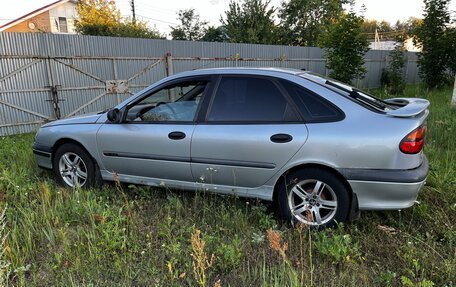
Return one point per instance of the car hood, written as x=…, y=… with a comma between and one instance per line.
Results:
x=82, y=119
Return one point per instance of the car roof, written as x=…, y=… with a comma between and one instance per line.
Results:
x=240, y=70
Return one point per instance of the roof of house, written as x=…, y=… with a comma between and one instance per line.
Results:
x=34, y=13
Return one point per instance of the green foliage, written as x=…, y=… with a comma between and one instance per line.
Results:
x=191, y=27
x=337, y=246
x=371, y=25
x=250, y=22
x=4, y=264
x=412, y=279
x=229, y=255
x=393, y=76
x=408, y=27
x=386, y=278
x=450, y=44
x=98, y=237
x=346, y=45
x=214, y=34
x=432, y=60
x=102, y=18
x=304, y=21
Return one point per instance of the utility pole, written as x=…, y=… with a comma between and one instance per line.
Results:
x=132, y=4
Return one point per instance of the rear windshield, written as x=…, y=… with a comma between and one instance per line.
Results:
x=361, y=97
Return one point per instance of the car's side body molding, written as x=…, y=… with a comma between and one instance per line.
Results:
x=254, y=164
x=146, y=156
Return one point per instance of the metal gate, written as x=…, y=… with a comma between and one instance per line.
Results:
x=34, y=90
x=47, y=76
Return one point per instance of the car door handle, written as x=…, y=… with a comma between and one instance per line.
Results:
x=176, y=135
x=281, y=138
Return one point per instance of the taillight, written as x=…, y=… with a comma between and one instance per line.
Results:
x=414, y=141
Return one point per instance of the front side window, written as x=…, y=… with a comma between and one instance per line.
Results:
x=178, y=102
x=249, y=99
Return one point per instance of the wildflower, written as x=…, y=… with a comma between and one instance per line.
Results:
x=275, y=239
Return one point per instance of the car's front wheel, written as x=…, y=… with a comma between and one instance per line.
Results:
x=73, y=166
x=314, y=197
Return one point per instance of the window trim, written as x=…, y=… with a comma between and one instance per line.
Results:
x=340, y=113
x=273, y=80
x=60, y=26
x=206, y=91
x=340, y=90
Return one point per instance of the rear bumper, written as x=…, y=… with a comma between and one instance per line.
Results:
x=43, y=155
x=387, y=189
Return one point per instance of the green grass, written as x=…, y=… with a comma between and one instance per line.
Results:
x=141, y=236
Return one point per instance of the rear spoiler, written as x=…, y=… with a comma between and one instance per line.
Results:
x=410, y=107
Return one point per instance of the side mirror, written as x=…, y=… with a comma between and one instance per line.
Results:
x=113, y=115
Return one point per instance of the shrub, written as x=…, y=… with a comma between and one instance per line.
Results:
x=393, y=76
x=346, y=45
x=337, y=246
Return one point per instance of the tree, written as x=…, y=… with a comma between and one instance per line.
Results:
x=369, y=26
x=303, y=21
x=393, y=76
x=215, y=34
x=384, y=26
x=345, y=46
x=191, y=27
x=250, y=22
x=102, y=18
x=97, y=17
x=408, y=27
x=431, y=36
x=450, y=44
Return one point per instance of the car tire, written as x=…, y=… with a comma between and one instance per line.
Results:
x=315, y=197
x=74, y=167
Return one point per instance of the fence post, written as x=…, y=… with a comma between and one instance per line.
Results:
x=114, y=69
x=453, y=99
x=169, y=64
x=54, y=90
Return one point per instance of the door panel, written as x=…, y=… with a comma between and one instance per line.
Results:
x=146, y=150
x=242, y=155
x=154, y=138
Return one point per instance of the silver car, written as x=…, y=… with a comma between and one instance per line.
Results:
x=321, y=149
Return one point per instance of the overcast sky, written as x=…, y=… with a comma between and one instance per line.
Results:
x=162, y=14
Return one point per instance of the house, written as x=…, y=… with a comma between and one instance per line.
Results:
x=382, y=45
x=56, y=17
x=409, y=45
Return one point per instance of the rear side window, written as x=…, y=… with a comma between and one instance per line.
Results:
x=313, y=108
x=249, y=99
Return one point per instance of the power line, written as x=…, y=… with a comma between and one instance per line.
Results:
x=158, y=20
x=156, y=7
x=169, y=12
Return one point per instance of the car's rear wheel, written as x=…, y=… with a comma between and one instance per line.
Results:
x=73, y=166
x=313, y=197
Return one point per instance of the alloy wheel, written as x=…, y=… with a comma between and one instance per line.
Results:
x=312, y=202
x=72, y=169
